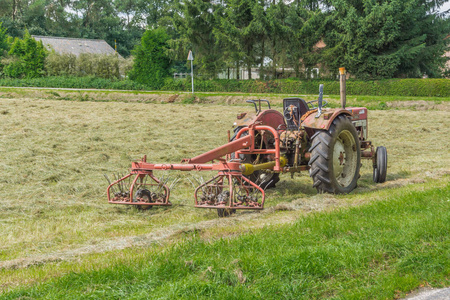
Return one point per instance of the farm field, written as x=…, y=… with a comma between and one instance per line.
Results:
x=54, y=150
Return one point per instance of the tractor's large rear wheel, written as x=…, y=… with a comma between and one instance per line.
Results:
x=335, y=158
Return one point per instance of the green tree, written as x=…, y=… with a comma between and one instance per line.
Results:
x=156, y=11
x=240, y=29
x=4, y=46
x=92, y=19
x=3, y=40
x=195, y=27
x=34, y=17
x=99, y=19
x=386, y=38
x=304, y=30
x=27, y=58
x=277, y=33
x=151, y=61
x=132, y=11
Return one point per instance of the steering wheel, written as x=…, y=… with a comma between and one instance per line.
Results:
x=287, y=112
x=324, y=103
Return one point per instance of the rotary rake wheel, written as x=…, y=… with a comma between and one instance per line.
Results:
x=142, y=189
x=227, y=192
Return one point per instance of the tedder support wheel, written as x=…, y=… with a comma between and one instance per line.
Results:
x=380, y=165
x=335, y=157
x=143, y=207
x=146, y=196
x=225, y=212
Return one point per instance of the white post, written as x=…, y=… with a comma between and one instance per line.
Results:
x=192, y=77
x=191, y=58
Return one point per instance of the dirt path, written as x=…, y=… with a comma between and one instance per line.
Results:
x=430, y=294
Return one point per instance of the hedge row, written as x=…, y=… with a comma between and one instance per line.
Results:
x=392, y=87
x=73, y=82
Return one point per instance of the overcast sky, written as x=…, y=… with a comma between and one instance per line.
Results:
x=446, y=6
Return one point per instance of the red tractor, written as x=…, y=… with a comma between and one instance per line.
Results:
x=327, y=142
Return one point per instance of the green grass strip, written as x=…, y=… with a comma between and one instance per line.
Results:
x=377, y=251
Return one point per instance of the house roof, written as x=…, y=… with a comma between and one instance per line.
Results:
x=320, y=44
x=75, y=46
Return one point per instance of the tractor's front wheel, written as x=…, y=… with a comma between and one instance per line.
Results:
x=335, y=158
x=380, y=165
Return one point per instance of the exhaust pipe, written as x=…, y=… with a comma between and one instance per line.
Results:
x=342, y=85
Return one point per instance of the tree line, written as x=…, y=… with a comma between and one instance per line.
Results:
x=371, y=38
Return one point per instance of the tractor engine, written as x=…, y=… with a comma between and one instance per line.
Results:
x=293, y=142
x=359, y=120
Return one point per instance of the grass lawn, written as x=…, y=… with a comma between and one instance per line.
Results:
x=379, y=250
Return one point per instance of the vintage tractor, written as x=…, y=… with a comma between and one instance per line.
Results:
x=307, y=136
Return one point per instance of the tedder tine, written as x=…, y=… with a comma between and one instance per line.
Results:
x=119, y=183
x=126, y=185
x=196, y=179
x=174, y=183
x=168, y=178
x=107, y=179
x=109, y=183
x=163, y=183
x=191, y=182
x=267, y=184
x=124, y=188
x=199, y=182
x=160, y=184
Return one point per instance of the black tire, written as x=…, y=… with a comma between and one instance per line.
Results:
x=380, y=165
x=335, y=158
x=265, y=179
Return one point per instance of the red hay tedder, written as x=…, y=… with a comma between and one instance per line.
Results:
x=327, y=142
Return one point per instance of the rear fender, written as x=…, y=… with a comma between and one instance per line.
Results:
x=324, y=121
x=268, y=117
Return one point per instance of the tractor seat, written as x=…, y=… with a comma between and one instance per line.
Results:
x=300, y=109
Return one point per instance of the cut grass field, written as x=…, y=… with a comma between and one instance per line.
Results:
x=380, y=250
x=55, y=219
